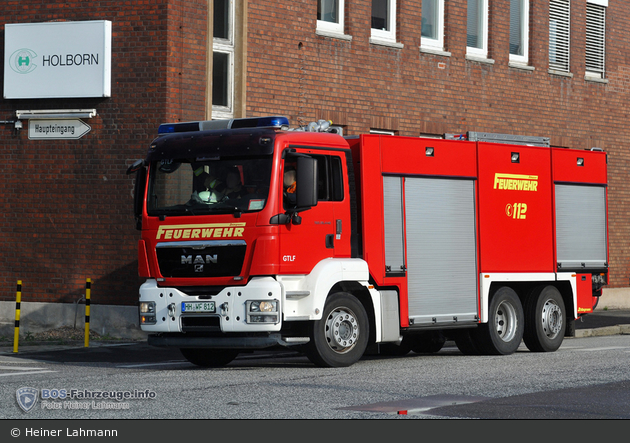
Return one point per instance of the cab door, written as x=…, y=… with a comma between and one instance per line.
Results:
x=323, y=231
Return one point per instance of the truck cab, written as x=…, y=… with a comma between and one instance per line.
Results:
x=233, y=255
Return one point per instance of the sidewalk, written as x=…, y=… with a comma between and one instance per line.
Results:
x=600, y=323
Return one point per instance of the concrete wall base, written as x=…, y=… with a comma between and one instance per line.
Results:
x=121, y=322
x=105, y=320
x=613, y=299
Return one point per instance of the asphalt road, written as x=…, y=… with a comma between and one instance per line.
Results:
x=587, y=378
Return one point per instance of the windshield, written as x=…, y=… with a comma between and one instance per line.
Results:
x=203, y=186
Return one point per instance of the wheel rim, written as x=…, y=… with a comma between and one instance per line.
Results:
x=505, y=321
x=342, y=330
x=551, y=319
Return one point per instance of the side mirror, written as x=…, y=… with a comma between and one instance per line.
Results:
x=306, y=187
x=137, y=165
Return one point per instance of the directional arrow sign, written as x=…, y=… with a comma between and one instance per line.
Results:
x=59, y=129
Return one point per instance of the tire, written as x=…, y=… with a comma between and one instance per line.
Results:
x=427, y=342
x=340, y=338
x=503, y=333
x=209, y=358
x=465, y=342
x=545, y=320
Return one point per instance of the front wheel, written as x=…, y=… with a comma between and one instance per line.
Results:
x=340, y=338
x=503, y=333
x=545, y=320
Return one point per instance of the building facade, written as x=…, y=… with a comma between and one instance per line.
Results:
x=553, y=68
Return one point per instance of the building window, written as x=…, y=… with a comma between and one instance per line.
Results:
x=477, y=24
x=223, y=59
x=330, y=16
x=519, y=31
x=384, y=19
x=559, y=34
x=595, y=37
x=433, y=24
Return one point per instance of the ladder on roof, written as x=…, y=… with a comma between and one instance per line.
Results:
x=501, y=138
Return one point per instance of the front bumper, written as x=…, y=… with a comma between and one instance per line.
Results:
x=231, y=314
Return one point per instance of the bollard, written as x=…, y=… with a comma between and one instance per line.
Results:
x=88, y=287
x=18, y=300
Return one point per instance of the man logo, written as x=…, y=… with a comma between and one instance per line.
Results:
x=21, y=61
x=26, y=398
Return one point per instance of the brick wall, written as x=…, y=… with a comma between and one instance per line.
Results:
x=362, y=85
x=67, y=205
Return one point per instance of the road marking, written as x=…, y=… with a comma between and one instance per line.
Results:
x=416, y=405
x=142, y=365
x=604, y=348
x=43, y=371
x=19, y=368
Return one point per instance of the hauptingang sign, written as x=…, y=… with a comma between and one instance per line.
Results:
x=58, y=59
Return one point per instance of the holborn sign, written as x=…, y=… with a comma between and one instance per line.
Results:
x=57, y=129
x=58, y=59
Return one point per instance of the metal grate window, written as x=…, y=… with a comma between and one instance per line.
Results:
x=595, y=39
x=559, y=34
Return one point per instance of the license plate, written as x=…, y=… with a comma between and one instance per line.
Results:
x=198, y=306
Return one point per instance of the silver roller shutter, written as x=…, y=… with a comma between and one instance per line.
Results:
x=581, y=226
x=394, y=231
x=441, y=250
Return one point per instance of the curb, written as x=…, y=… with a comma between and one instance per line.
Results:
x=600, y=332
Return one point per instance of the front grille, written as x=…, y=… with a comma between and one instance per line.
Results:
x=207, y=259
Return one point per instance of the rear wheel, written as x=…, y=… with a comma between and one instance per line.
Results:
x=545, y=320
x=209, y=358
x=503, y=333
x=340, y=338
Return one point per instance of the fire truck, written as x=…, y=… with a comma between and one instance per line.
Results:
x=256, y=235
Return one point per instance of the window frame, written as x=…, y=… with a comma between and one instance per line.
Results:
x=226, y=46
x=483, y=51
x=327, y=27
x=431, y=43
x=524, y=37
x=390, y=35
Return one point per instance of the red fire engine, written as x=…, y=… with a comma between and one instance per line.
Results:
x=255, y=235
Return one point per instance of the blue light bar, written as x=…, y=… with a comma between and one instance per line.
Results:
x=254, y=122
x=259, y=122
x=167, y=128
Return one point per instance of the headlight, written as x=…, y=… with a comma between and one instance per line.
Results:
x=147, y=313
x=262, y=311
x=263, y=306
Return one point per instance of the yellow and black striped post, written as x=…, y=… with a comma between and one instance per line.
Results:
x=88, y=288
x=18, y=301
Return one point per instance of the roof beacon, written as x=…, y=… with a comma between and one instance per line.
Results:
x=234, y=123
